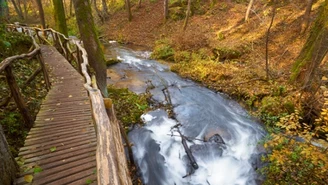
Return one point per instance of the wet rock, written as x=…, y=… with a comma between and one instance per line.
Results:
x=204, y=150
x=223, y=134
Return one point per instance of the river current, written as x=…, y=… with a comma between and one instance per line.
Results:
x=200, y=116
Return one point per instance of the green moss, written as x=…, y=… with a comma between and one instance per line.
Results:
x=128, y=105
x=224, y=53
x=163, y=50
x=112, y=61
x=177, y=13
x=270, y=104
x=12, y=123
x=182, y=56
x=289, y=106
x=309, y=51
x=13, y=43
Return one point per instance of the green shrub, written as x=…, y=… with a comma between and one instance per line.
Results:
x=163, y=50
x=182, y=56
x=13, y=43
x=224, y=53
x=128, y=105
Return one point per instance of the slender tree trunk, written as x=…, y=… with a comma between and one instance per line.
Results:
x=97, y=11
x=25, y=9
x=91, y=42
x=307, y=13
x=3, y=10
x=59, y=15
x=70, y=8
x=267, y=70
x=313, y=52
x=19, y=13
x=166, y=9
x=139, y=4
x=8, y=166
x=250, y=4
x=104, y=8
x=19, y=6
x=187, y=15
x=41, y=13
x=128, y=9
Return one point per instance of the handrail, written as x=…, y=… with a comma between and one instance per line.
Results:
x=5, y=65
x=112, y=167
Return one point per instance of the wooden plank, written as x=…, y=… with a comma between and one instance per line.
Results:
x=64, y=122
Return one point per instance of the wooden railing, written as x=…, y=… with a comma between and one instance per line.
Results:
x=6, y=65
x=112, y=168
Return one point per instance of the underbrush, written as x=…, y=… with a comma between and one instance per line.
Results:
x=128, y=105
x=298, y=151
x=10, y=117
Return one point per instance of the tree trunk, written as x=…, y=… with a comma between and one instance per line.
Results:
x=19, y=7
x=8, y=166
x=97, y=11
x=25, y=9
x=19, y=13
x=166, y=9
x=267, y=40
x=187, y=15
x=41, y=13
x=139, y=4
x=128, y=9
x=307, y=13
x=70, y=8
x=313, y=52
x=3, y=9
x=91, y=42
x=104, y=8
x=59, y=14
x=251, y=2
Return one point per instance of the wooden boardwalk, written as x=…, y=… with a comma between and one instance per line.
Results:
x=62, y=142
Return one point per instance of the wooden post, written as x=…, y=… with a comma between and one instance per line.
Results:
x=66, y=50
x=79, y=60
x=8, y=166
x=112, y=168
x=44, y=71
x=32, y=77
x=18, y=97
x=112, y=116
x=37, y=34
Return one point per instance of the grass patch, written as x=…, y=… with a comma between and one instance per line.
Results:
x=128, y=105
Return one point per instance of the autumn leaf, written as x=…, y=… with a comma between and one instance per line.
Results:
x=88, y=181
x=37, y=169
x=28, y=178
x=52, y=149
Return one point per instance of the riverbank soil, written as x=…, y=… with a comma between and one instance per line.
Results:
x=223, y=52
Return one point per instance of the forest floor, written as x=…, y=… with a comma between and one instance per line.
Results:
x=222, y=29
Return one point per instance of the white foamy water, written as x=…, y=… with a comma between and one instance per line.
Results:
x=158, y=150
x=232, y=168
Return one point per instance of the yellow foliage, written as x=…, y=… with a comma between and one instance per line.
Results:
x=298, y=162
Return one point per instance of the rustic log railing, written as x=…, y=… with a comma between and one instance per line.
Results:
x=5, y=65
x=112, y=168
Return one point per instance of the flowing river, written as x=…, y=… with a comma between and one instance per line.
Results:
x=202, y=116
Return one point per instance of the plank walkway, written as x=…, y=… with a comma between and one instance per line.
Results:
x=62, y=142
